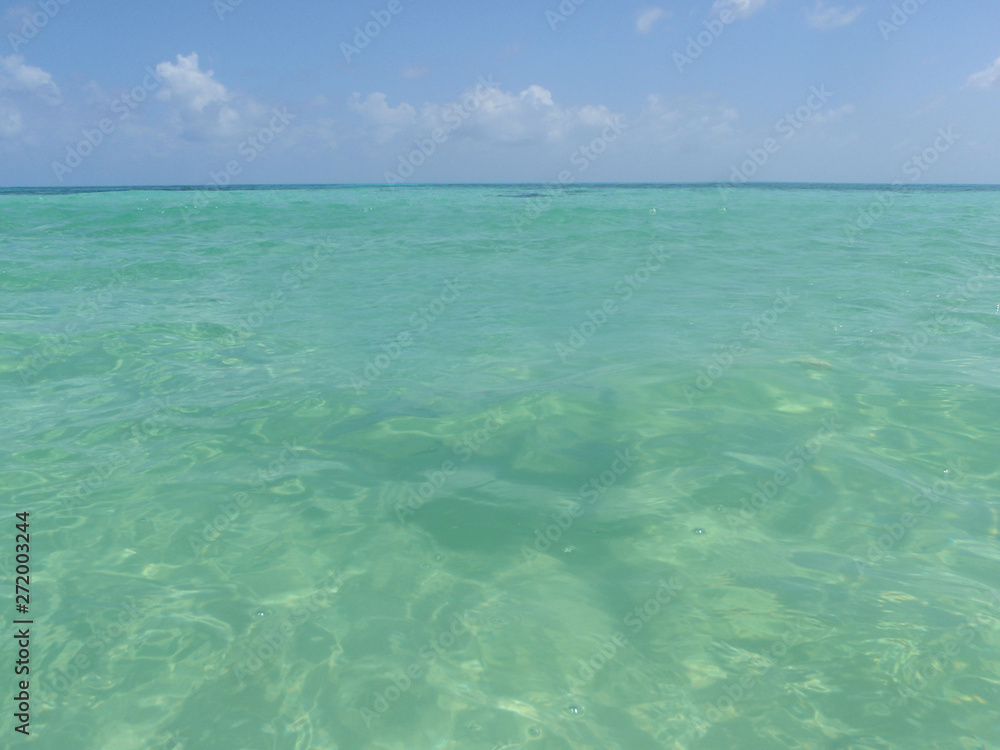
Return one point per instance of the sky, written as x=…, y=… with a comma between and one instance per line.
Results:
x=207, y=92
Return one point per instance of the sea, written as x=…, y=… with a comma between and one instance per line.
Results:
x=497, y=467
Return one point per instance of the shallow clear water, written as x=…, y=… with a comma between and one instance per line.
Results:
x=505, y=467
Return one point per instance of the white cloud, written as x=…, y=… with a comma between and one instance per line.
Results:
x=15, y=76
x=188, y=86
x=695, y=122
x=742, y=8
x=536, y=97
x=834, y=115
x=378, y=110
x=388, y=121
x=486, y=114
x=23, y=89
x=647, y=19
x=986, y=79
x=532, y=116
x=11, y=121
x=203, y=107
x=826, y=17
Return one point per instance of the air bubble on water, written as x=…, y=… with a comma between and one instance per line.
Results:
x=569, y=549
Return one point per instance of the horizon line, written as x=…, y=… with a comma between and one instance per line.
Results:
x=553, y=185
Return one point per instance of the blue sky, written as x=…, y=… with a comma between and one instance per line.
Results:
x=210, y=91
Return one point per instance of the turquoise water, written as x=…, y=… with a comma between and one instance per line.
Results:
x=505, y=467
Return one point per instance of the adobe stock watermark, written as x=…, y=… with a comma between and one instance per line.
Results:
x=787, y=127
x=562, y=13
x=915, y=167
x=964, y=291
x=590, y=492
x=454, y=117
x=291, y=281
x=635, y=621
x=470, y=444
x=581, y=158
x=266, y=647
x=93, y=138
x=751, y=331
x=696, y=45
x=35, y=22
x=624, y=288
x=419, y=321
x=364, y=36
x=901, y=15
x=795, y=460
x=249, y=148
x=54, y=349
x=918, y=676
x=429, y=653
x=56, y=680
x=737, y=690
x=231, y=510
x=101, y=473
x=925, y=499
x=223, y=8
